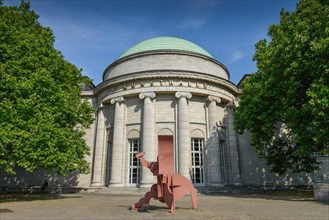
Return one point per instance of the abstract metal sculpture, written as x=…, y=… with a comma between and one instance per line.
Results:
x=170, y=187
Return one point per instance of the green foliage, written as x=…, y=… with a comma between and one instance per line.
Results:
x=290, y=91
x=42, y=117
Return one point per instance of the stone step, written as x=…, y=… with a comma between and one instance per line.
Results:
x=122, y=191
x=142, y=191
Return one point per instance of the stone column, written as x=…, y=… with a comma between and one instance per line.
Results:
x=98, y=172
x=148, y=136
x=117, y=168
x=184, y=139
x=213, y=142
x=233, y=146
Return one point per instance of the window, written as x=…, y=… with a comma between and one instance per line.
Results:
x=221, y=160
x=109, y=161
x=134, y=164
x=197, y=161
x=264, y=151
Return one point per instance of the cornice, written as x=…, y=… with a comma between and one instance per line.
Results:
x=166, y=74
x=86, y=93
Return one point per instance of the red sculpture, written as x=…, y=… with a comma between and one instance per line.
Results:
x=170, y=187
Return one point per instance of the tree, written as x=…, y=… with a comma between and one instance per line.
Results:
x=42, y=116
x=285, y=104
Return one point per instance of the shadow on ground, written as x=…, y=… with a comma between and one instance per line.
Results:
x=153, y=208
x=32, y=197
x=270, y=194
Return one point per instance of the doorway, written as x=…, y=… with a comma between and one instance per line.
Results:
x=166, y=154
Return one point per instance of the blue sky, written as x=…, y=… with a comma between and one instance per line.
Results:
x=94, y=33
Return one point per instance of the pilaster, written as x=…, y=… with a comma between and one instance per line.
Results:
x=233, y=146
x=98, y=169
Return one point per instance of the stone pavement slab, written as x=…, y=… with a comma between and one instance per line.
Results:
x=107, y=206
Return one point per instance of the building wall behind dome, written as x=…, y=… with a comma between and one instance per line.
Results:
x=165, y=106
x=133, y=110
x=197, y=107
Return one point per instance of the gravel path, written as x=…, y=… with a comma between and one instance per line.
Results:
x=106, y=206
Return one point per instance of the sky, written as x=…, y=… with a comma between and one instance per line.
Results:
x=92, y=34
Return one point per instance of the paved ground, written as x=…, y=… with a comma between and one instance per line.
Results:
x=106, y=206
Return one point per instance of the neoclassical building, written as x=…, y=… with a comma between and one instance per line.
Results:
x=169, y=86
x=164, y=86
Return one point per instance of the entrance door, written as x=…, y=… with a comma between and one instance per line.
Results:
x=166, y=154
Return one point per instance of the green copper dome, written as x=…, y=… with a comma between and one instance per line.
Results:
x=165, y=43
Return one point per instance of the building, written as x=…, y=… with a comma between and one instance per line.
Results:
x=165, y=86
x=170, y=86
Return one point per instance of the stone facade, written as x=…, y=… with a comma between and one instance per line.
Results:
x=170, y=92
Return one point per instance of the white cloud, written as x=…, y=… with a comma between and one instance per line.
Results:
x=194, y=23
x=199, y=13
x=237, y=55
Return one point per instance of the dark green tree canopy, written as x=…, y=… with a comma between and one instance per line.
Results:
x=42, y=116
x=286, y=103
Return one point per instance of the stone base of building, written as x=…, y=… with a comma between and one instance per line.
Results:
x=122, y=190
x=321, y=192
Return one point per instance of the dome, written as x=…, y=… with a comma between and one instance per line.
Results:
x=165, y=54
x=166, y=43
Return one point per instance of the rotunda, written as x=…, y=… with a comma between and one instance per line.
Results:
x=165, y=86
x=171, y=86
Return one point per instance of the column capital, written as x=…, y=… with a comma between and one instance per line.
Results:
x=187, y=95
x=231, y=105
x=214, y=99
x=147, y=95
x=100, y=106
x=117, y=99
